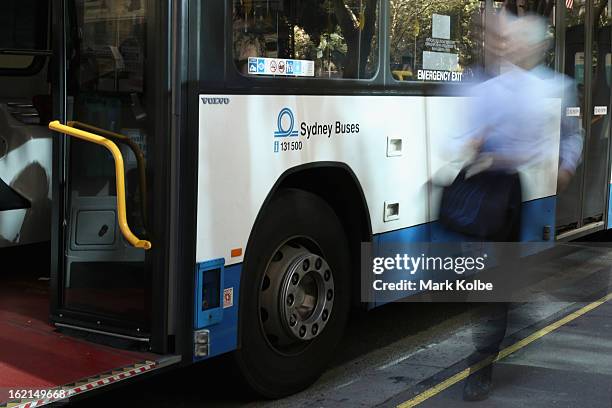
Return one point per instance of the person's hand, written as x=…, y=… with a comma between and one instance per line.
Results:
x=563, y=179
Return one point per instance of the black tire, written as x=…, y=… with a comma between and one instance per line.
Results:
x=291, y=213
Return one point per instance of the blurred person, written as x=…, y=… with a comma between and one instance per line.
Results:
x=510, y=118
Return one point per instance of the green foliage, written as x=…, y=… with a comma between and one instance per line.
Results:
x=333, y=32
x=411, y=25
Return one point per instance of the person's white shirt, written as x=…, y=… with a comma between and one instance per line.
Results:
x=512, y=117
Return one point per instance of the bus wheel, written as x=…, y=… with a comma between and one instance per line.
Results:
x=295, y=289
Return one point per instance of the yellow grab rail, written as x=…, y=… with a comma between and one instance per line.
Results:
x=138, y=153
x=119, y=170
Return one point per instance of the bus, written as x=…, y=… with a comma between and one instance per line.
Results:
x=205, y=172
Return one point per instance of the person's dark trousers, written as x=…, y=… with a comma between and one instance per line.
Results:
x=490, y=320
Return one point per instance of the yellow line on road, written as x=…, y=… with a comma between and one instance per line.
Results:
x=462, y=375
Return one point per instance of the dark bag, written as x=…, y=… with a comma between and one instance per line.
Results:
x=486, y=205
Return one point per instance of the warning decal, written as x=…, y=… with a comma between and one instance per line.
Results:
x=228, y=297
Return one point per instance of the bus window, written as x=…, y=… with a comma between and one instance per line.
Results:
x=19, y=31
x=439, y=43
x=330, y=39
x=11, y=62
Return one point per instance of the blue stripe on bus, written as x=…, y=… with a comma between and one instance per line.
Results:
x=209, y=276
x=536, y=215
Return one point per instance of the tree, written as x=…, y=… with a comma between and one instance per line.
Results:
x=411, y=25
x=351, y=45
x=358, y=32
x=539, y=7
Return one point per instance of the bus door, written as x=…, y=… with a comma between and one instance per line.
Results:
x=107, y=270
x=582, y=207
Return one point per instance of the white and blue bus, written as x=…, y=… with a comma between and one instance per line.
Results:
x=212, y=168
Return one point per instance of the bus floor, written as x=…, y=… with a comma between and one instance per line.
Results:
x=33, y=355
x=567, y=363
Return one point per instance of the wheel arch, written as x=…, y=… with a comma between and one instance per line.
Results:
x=342, y=190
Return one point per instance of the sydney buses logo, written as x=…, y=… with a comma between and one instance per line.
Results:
x=287, y=131
x=286, y=124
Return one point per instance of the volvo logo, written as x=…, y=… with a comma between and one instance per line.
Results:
x=286, y=124
x=216, y=101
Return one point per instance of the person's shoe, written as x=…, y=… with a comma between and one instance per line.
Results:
x=478, y=385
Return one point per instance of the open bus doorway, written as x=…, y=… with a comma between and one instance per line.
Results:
x=582, y=207
x=84, y=317
x=104, y=279
x=110, y=202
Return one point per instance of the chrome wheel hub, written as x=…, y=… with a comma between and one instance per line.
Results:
x=297, y=295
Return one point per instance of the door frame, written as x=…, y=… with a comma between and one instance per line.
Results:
x=159, y=102
x=561, y=26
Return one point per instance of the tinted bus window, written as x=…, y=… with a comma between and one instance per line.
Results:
x=19, y=31
x=293, y=38
x=112, y=51
x=15, y=62
x=435, y=41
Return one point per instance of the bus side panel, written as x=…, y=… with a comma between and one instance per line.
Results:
x=445, y=123
x=536, y=214
x=247, y=142
x=395, y=145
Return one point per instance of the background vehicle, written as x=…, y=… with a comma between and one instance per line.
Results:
x=25, y=109
x=255, y=182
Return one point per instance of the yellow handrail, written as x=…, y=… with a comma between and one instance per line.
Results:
x=138, y=153
x=119, y=170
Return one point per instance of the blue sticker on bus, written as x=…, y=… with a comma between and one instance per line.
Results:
x=209, y=293
x=297, y=68
x=252, y=65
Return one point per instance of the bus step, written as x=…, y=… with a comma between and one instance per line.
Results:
x=35, y=358
x=66, y=392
